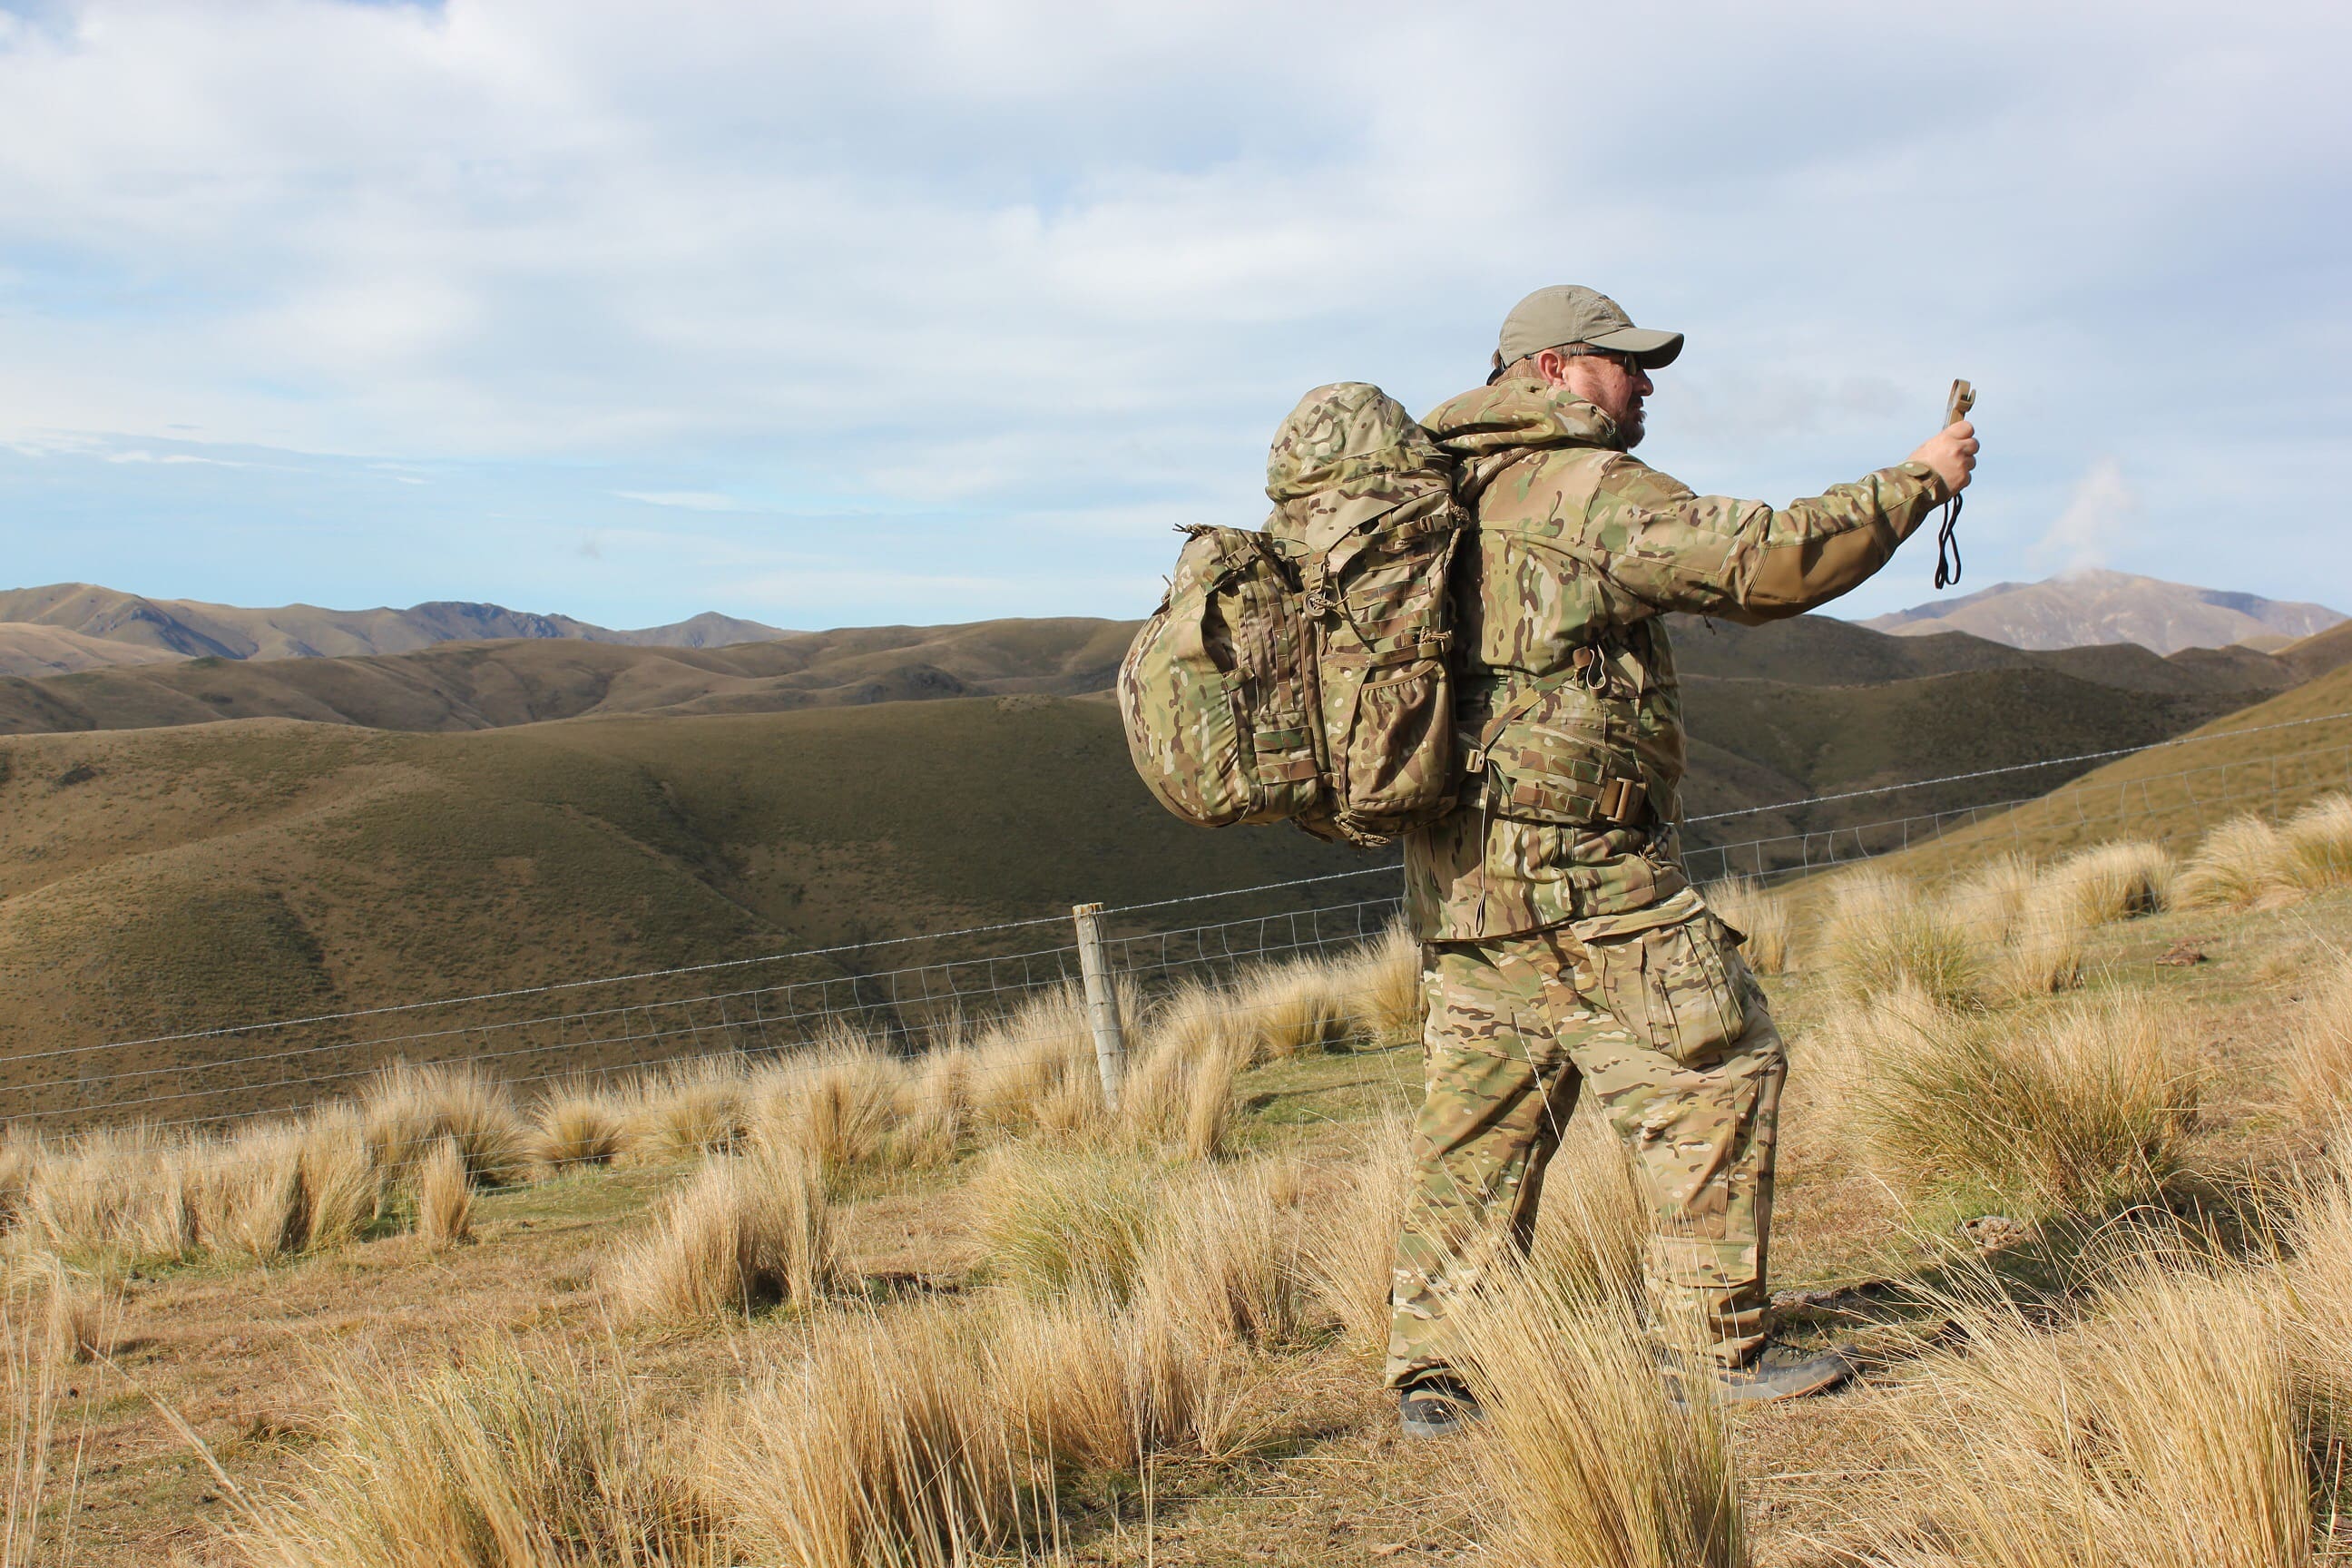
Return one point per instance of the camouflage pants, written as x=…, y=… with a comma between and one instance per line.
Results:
x=1513, y=1034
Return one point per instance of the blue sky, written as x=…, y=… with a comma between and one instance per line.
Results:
x=845, y=315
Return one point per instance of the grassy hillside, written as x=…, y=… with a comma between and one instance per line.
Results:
x=2243, y=762
x=490, y=685
x=158, y=881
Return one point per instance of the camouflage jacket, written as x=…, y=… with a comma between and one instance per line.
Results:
x=1578, y=546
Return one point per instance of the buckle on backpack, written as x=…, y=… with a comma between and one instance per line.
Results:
x=1621, y=802
x=1475, y=760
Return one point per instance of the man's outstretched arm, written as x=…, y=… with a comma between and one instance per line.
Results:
x=1744, y=561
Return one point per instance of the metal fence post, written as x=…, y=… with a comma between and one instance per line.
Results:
x=1102, y=1001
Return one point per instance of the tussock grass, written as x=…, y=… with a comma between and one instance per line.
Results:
x=884, y=1444
x=1179, y=1093
x=1349, y=1252
x=444, y=1198
x=1087, y=1383
x=1593, y=1226
x=1050, y=1221
x=836, y=1105
x=2087, y=1109
x=1227, y=1257
x=697, y=1108
x=1295, y=1007
x=2113, y=882
x=1380, y=986
x=2319, y=842
x=2040, y=952
x=2163, y=1431
x=75, y=1313
x=1766, y=915
x=514, y=1459
x=249, y=1196
x=410, y=1110
x=2319, y=1038
x=17, y=1160
x=32, y=1392
x=750, y=1231
x=1990, y=900
x=1583, y=1456
x=576, y=1124
x=2237, y=866
x=1035, y=1068
x=1882, y=933
x=130, y=1191
x=342, y=1189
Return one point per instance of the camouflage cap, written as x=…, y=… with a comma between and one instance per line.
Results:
x=1569, y=313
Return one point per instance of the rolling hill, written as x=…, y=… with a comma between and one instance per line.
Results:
x=104, y=619
x=223, y=840
x=2084, y=608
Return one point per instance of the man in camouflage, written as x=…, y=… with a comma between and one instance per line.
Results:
x=1566, y=948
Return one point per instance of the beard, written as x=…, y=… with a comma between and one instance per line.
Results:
x=1629, y=428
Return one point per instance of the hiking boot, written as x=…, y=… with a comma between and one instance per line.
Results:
x=1436, y=1408
x=1781, y=1371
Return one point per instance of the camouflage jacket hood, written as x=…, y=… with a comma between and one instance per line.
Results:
x=1577, y=552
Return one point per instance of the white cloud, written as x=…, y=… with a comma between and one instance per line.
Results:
x=1036, y=260
x=2098, y=517
x=686, y=501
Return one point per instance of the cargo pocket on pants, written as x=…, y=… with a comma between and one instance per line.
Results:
x=1672, y=975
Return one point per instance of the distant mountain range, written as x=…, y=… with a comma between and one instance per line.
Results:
x=2083, y=609
x=69, y=627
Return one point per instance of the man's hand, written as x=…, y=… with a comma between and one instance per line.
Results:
x=1952, y=454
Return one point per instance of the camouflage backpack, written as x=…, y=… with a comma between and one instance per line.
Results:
x=1302, y=672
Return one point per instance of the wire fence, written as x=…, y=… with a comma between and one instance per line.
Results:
x=905, y=993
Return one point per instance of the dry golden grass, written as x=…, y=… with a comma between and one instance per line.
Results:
x=2040, y=951
x=32, y=1393
x=749, y=1232
x=2236, y=866
x=694, y=1108
x=1349, y=1250
x=578, y=1123
x=1294, y=1008
x=2080, y=1111
x=342, y=1189
x=1766, y=915
x=1087, y=1384
x=1050, y=1220
x=1178, y=1090
x=2319, y=1037
x=1381, y=985
x=1882, y=933
x=884, y=1443
x=16, y=1162
x=129, y=1191
x=1987, y=901
x=1593, y=1227
x=2119, y=881
x=2319, y=841
x=249, y=1199
x=2162, y=1432
x=511, y=1460
x=1226, y=1255
x=409, y=1110
x=837, y=1104
x=76, y=1314
x=1583, y=1456
x=444, y=1198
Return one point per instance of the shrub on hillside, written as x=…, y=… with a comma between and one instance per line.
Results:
x=750, y=1231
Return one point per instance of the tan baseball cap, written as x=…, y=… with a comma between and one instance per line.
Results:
x=1569, y=313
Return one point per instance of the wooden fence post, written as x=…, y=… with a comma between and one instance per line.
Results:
x=1102, y=1001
